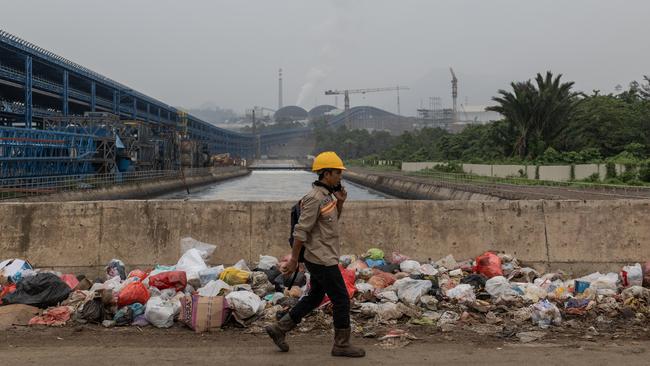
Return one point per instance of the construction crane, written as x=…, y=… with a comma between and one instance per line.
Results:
x=347, y=93
x=454, y=93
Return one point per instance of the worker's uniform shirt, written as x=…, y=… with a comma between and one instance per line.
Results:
x=318, y=227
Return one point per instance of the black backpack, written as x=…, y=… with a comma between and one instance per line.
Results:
x=295, y=216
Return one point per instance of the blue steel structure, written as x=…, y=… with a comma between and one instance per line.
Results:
x=36, y=83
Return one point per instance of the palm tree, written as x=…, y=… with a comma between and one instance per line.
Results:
x=540, y=111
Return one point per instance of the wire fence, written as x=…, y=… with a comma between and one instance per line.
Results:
x=12, y=188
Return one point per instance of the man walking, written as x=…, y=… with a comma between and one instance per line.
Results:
x=317, y=231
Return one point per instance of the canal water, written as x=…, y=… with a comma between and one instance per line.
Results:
x=270, y=185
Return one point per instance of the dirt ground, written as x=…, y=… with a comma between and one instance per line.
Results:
x=95, y=345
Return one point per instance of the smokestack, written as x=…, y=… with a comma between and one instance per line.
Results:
x=280, y=89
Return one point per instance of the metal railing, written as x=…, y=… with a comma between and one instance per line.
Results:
x=12, y=188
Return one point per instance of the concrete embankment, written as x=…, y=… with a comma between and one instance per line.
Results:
x=144, y=189
x=579, y=236
x=409, y=188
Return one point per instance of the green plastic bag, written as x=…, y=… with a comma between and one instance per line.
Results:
x=375, y=254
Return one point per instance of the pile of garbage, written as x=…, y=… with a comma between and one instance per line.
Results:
x=489, y=292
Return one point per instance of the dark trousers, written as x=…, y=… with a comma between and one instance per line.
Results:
x=324, y=280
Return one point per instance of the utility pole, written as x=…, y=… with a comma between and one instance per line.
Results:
x=280, y=89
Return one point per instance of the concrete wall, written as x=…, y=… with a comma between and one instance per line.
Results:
x=583, y=171
x=414, y=167
x=480, y=169
x=558, y=173
x=505, y=171
x=81, y=237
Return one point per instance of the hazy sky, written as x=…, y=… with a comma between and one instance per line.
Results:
x=227, y=53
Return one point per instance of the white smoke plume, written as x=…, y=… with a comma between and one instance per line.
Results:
x=332, y=35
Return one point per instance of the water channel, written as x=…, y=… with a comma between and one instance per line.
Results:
x=269, y=185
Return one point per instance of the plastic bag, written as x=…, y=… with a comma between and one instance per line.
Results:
x=397, y=258
x=267, y=262
x=410, y=290
x=545, y=313
x=53, y=317
x=159, y=312
x=489, y=265
x=138, y=273
x=375, y=262
x=42, y=290
x=244, y=304
x=192, y=263
x=234, y=276
x=213, y=288
x=172, y=279
x=448, y=262
x=534, y=293
x=210, y=274
x=646, y=274
x=132, y=293
x=375, y=254
x=93, y=311
x=603, y=284
x=357, y=265
x=410, y=266
x=387, y=296
x=205, y=249
x=261, y=284
x=241, y=265
x=115, y=268
x=462, y=293
x=376, y=282
x=13, y=269
x=632, y=275
x=499, y=287
x=346, y=260
x=428, y=270
x=71, y=280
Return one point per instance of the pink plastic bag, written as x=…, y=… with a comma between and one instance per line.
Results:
x=70, y=280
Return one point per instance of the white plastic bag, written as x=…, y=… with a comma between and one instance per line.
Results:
x=462, y=293
x=410, y=290
x=364, y=287
x=499, y=286
x=632, y=275
x=213, y=288
x=210, y=274
x=606, y=285
x=267, y=262
x=428, y=270
x=191, y=263
x=242, y=266
x=410, y=266
x=245, y=304
x=533, y=292
x=545, y=313
x=159, y=312
x=387, y=296
x=448, y=262
x=205, y=249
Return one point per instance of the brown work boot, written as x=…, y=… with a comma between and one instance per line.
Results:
x=279, y=330
x=342, y=347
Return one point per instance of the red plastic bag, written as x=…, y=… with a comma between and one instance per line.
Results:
x=6, y=290
x=489, y=265
x=140, y=274
x=171, y=279
x=71, y=280
x=349, y=276
x=132, y=293
x=388, y=278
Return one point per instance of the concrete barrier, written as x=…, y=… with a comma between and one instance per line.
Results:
x=81, y=237
x=142, y=190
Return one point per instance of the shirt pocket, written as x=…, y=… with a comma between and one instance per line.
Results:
x=328, y=223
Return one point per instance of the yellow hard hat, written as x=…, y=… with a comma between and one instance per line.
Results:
x=327, y=160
